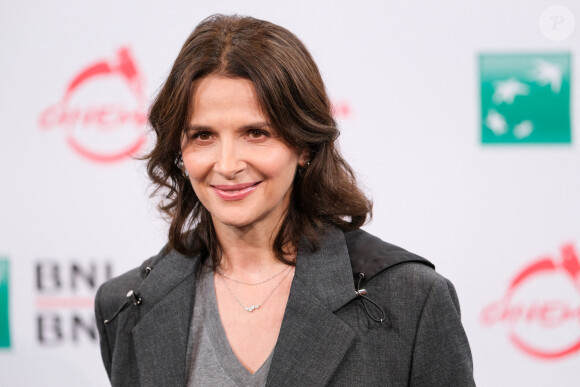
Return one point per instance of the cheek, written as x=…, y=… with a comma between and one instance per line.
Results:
x=282, y=165
x=197, y=163
x=198, y=172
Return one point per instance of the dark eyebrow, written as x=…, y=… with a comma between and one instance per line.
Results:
x=256, y=125
x=204, y=128
x=198, y=128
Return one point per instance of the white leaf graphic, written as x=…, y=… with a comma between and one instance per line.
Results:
x=496, y=122
x=547, y=73
x=523, y=129
x=506, y=91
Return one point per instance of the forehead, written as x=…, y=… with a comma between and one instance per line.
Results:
x=219, y=95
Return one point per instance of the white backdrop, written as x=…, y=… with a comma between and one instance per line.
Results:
x=405, y=79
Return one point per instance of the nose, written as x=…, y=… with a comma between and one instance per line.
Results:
x=229, y=161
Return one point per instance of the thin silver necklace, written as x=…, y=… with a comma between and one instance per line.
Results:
x=219, y=270
x=251, y=308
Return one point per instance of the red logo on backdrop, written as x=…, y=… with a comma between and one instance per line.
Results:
x=541, y=307
x=341, y=109
x=102, y=112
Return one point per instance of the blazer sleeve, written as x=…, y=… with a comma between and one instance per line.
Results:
x=441, y=355
x=103, y=340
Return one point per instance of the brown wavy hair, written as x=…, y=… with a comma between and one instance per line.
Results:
x=292, y=95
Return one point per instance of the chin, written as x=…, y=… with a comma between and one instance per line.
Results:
x=234, y=220
x=242, y=221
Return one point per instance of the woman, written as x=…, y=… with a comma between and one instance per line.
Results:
x=260, y=283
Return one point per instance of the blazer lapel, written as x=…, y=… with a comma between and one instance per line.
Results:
x=312, y=339
x=161, y=336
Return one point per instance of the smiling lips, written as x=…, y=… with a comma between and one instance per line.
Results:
x=235, y=191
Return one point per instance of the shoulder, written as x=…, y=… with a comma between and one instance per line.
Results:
x=412, y=286
x=392, y=273
x=113, y=292
x=150, y=283
x=371, y=255
x=422, y=316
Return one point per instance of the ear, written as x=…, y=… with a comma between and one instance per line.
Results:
x=303, y=158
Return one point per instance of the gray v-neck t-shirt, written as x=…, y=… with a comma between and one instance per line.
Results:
x=211, y=360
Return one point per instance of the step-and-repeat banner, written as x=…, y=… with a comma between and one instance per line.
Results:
x=459, y=117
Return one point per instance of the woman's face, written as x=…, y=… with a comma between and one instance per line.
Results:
x=240, y=170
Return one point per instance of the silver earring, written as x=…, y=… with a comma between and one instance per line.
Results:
x=301, y=169
x=182, y=167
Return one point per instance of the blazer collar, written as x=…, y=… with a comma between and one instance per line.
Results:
x=327, y=272
x=312, y=339
x=160, y=336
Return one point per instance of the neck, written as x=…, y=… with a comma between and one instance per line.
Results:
x=248, y=253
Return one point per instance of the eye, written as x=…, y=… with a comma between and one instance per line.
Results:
x=256, y=134
x=201, y=136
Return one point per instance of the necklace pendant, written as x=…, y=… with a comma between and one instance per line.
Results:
x=251, y=308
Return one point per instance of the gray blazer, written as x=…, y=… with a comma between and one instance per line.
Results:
x=327, y=335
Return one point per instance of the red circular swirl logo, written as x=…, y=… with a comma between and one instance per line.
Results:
x=541, y=307
x=102, y=111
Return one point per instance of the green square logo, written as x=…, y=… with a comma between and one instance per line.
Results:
x=525, y=98
x=4, y=304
